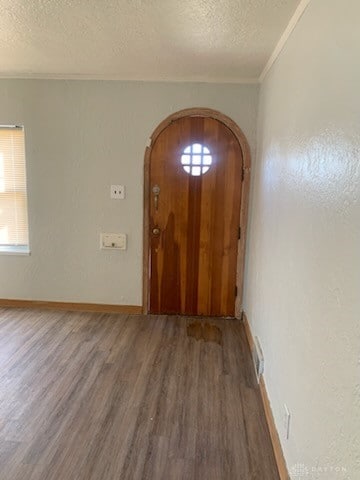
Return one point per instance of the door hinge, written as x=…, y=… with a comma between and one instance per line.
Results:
x=236, y=291
x=239, y=233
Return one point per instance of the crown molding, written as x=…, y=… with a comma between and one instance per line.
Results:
x=102, y=77
x=285, y=37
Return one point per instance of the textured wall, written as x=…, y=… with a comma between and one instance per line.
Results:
x=81, y=137
x=303, y=272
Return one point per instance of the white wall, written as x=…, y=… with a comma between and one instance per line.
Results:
x=303, y=270
x=81, y=136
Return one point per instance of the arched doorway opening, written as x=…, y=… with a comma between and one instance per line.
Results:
x=196, y=189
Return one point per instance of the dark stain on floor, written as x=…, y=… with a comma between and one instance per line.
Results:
x=204, y=331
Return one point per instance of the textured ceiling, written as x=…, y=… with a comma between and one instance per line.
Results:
x=207, y=40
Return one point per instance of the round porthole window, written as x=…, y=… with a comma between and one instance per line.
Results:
x=196, y=159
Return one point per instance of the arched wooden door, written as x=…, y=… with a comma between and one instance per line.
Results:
x=194, y=195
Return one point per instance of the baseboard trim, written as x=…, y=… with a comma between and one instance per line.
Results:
x=71, y=306
x=275, y=440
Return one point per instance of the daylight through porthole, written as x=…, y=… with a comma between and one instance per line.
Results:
x=196, y=159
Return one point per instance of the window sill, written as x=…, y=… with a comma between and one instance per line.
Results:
x=14, y=250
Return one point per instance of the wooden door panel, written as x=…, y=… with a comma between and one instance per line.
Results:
x=193, y=260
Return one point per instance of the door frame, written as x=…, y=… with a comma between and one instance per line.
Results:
x=245, y=149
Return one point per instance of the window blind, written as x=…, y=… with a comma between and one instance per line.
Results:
x=13, y=195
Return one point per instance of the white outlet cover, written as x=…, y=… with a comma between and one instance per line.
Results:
x=117, y=192
x=258, y=358
x=113, y=241
x=287, y=417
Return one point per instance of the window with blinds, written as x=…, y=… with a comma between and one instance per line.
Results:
x=14, y=234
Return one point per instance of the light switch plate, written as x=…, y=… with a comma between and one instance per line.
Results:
x=117, y=192
x=113, y=241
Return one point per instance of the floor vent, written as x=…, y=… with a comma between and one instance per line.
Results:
x=258, y=358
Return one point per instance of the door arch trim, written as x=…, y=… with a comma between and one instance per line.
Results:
x=246, y=159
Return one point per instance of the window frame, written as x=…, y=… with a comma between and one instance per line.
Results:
x=13, y=249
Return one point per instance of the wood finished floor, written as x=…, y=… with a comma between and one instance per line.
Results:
x=87, y=396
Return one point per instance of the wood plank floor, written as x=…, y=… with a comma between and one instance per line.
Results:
x=87, y=396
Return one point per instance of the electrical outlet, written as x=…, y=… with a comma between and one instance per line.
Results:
x=286, y=422
x=113, y=241
x=117, y=192
x=258, y=358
